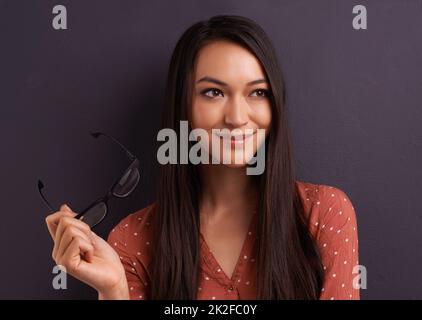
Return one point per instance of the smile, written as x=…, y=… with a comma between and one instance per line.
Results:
x=235, y=139
x=199, y=151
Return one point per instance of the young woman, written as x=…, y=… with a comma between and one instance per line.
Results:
x=214, y=231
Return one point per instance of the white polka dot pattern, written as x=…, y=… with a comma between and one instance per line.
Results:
x=332, y=222
x=337, y=248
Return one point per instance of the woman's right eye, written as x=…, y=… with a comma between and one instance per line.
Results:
x=212, y=92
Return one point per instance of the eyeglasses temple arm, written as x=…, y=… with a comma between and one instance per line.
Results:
x=128, y=153
x=40, y=187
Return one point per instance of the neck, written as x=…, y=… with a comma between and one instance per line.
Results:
x=226, y=190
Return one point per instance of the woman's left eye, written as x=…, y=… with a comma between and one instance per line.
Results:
x=260, y=93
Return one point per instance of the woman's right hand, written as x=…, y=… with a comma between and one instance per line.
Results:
x=86, y=256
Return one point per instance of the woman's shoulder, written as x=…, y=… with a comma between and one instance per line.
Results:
x=138, y=220
x=332, y=222
x=131, y=239
x=312, y=193
x=133, y=235
x=326, y=206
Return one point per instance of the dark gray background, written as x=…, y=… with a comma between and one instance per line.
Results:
x=354, y=99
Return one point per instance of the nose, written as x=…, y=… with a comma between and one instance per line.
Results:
x=236, y=112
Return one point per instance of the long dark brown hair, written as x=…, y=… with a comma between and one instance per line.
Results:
x=288, y=262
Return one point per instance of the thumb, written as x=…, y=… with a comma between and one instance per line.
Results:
x=65, y=207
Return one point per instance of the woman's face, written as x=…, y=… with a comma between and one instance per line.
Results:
x=230, y=91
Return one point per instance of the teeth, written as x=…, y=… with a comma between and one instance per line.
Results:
x=233, y=137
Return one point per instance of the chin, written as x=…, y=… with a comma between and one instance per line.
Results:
x=235, y=165
x=242, y=160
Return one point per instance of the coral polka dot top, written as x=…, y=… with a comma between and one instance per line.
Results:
x=331, y=220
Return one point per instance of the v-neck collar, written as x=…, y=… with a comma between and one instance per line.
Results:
x=209, y=258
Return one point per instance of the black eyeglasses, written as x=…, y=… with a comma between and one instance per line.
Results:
x=123, y=187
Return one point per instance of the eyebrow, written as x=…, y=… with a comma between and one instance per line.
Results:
x=213, y=80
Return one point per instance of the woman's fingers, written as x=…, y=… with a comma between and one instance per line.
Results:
x=65, y=230
x=52, y=220
x=69, y=234
x=82, y=253
x=64, y=224
x=71, y=258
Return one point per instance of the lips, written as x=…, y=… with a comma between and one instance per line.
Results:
x=235, y=139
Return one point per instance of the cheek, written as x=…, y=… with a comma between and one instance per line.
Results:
x=262, y=117
x=206, y=116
